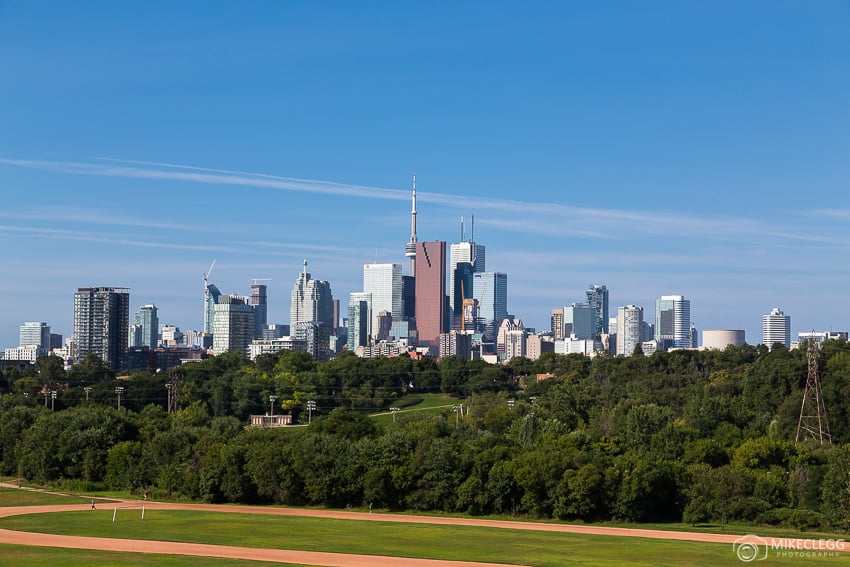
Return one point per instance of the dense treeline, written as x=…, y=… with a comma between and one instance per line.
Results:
x=685, y=435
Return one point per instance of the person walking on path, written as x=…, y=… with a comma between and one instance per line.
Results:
x=146, y=495
x=92, y=505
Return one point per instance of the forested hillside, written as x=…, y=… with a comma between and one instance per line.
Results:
x=684, y=435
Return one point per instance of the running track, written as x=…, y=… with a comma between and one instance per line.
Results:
x=310, y=557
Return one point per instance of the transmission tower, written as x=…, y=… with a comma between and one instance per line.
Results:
x=173, y=387
x=812, y=424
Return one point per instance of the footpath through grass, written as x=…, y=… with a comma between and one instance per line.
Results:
x=539, y=549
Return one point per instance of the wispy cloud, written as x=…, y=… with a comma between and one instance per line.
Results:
x=542, y=218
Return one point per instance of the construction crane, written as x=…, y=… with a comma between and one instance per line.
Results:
x=206, y=277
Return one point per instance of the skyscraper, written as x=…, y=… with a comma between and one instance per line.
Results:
x=312, y=301
x=579, y=321
x=148, y=320
x=490, y=289
x=776, y=328
x=557, y=323
x=673, y=322
x=358, y=320
x=260, y=303
x=102, y=323
x=629, y=329
x=35, y=333
x=597, y=298
x=233, y=324
x=430, y=291
x=211, y=295
x=471, y=258
x=384, y=283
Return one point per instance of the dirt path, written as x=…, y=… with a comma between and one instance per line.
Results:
x=312, y=557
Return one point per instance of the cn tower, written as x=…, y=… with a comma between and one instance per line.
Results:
x=410, y=248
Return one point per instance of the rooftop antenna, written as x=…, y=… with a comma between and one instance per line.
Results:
x=305, y=266
x=472, y=236
x=461, y=229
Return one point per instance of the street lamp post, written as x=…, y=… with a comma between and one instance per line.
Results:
x=87, y=389
x=52, y=400
x=272, y=399
x=311, y=406
x=119, y=390
x=395, y=411
x=168, y=387
x=458, y=409
x=511, y=404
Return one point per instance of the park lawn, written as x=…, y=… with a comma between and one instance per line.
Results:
x=15, y=497
x=26, y=556
x=412, y=404
x=539, y=549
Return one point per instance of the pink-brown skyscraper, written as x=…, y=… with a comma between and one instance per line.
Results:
x=431, y=291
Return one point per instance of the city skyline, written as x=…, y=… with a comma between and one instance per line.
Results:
x=656, y=149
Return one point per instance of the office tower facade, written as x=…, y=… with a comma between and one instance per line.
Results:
x=358, y=320
x=597, y=298
x=233, y=324
x=211, y=296
x=430, y=291
x=259, y=301
x=465, y=259
x=456, y=343
x=35, y=333
x=776, y=328
x=557, y=323
x=579, y=321
x=511, y=340
x=629, y=329
x=147, y=319
x=312, y=301
x=102, y=323
x=673, y=322
x=490, y=289
x=384, y=323
x=384, y=283
x=408, y=298
x=317, y=336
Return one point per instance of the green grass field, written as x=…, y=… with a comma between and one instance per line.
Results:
x=15, y=497
x=414, y=403
x=540, y=549
x=24, y=556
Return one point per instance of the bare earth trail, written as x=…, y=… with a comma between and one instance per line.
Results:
x=309, y=557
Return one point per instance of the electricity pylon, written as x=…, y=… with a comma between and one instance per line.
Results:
x=813, y=424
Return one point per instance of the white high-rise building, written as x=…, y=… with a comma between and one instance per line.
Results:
x=776, y=328
x=673, y=322
x=233, y=324
x=312, y=301
x=383, y=283
x=629, y=329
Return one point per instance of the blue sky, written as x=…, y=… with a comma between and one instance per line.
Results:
x=693, y=148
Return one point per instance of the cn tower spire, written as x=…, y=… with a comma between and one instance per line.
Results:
x=410, y=249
